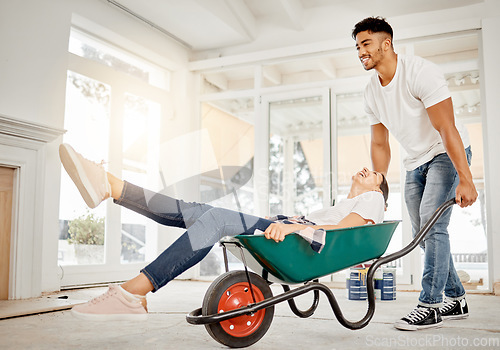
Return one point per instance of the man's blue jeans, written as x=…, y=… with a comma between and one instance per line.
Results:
x=205, y=226
x=426, y=188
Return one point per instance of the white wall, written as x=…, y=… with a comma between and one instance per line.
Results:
x=33, y=62
x=34, y=37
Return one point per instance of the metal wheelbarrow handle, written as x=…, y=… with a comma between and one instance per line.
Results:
x=386, y=259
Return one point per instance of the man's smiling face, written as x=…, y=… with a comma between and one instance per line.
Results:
x=370, y=48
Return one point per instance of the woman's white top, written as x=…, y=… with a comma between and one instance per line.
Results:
x=369, y=205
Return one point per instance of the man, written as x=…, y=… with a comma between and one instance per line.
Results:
x=409, y=97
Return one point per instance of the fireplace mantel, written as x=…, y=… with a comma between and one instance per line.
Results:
x=28, y=130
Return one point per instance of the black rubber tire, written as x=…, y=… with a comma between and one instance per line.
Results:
x=217, y=291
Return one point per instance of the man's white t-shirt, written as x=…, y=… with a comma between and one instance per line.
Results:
x=369, y=205
x=401, y=107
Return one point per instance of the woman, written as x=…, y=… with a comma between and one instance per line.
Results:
x=205, y=225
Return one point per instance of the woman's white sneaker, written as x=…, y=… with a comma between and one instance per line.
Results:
x=90, y=178
x=111, y=306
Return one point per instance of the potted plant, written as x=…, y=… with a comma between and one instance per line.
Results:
x=87, y=234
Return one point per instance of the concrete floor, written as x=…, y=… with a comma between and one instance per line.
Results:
x=167, y=328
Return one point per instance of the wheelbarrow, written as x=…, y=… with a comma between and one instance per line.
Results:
x=238, y=307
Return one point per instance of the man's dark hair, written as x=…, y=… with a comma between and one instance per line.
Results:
x=373, y=25
x=384, y=187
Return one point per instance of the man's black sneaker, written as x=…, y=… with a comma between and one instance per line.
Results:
x=420, y=318
x=454, y=309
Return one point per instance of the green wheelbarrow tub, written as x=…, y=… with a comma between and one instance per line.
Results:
x=293, y=260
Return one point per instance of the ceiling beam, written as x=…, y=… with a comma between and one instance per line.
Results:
x=234, y=13
x=272, y=74
x=217, y=80
x=294, y=12
x=245, y=17
x=151, y=23
x=459, y=66
x=327, y=67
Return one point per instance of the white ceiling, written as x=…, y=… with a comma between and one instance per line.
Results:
x=217, y=24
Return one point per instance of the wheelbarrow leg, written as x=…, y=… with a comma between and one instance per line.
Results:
x=307, y=313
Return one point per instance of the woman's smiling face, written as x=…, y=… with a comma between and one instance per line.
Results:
x=368, y=179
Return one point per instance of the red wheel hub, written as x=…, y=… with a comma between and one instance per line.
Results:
x=236, y=296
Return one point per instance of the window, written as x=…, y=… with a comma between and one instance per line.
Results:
x=96, y=50
x=81, y=238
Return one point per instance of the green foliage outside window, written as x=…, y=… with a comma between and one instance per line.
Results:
x=86, y=229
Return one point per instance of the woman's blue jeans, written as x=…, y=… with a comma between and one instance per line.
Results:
x=426, y=188
x=205, y=225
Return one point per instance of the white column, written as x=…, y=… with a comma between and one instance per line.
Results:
x=261, y=156
x=288, y=185
x=490, y=107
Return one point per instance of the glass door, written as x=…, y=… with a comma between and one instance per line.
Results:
x=353, y=153
x=469, y=248
x=299, y=152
